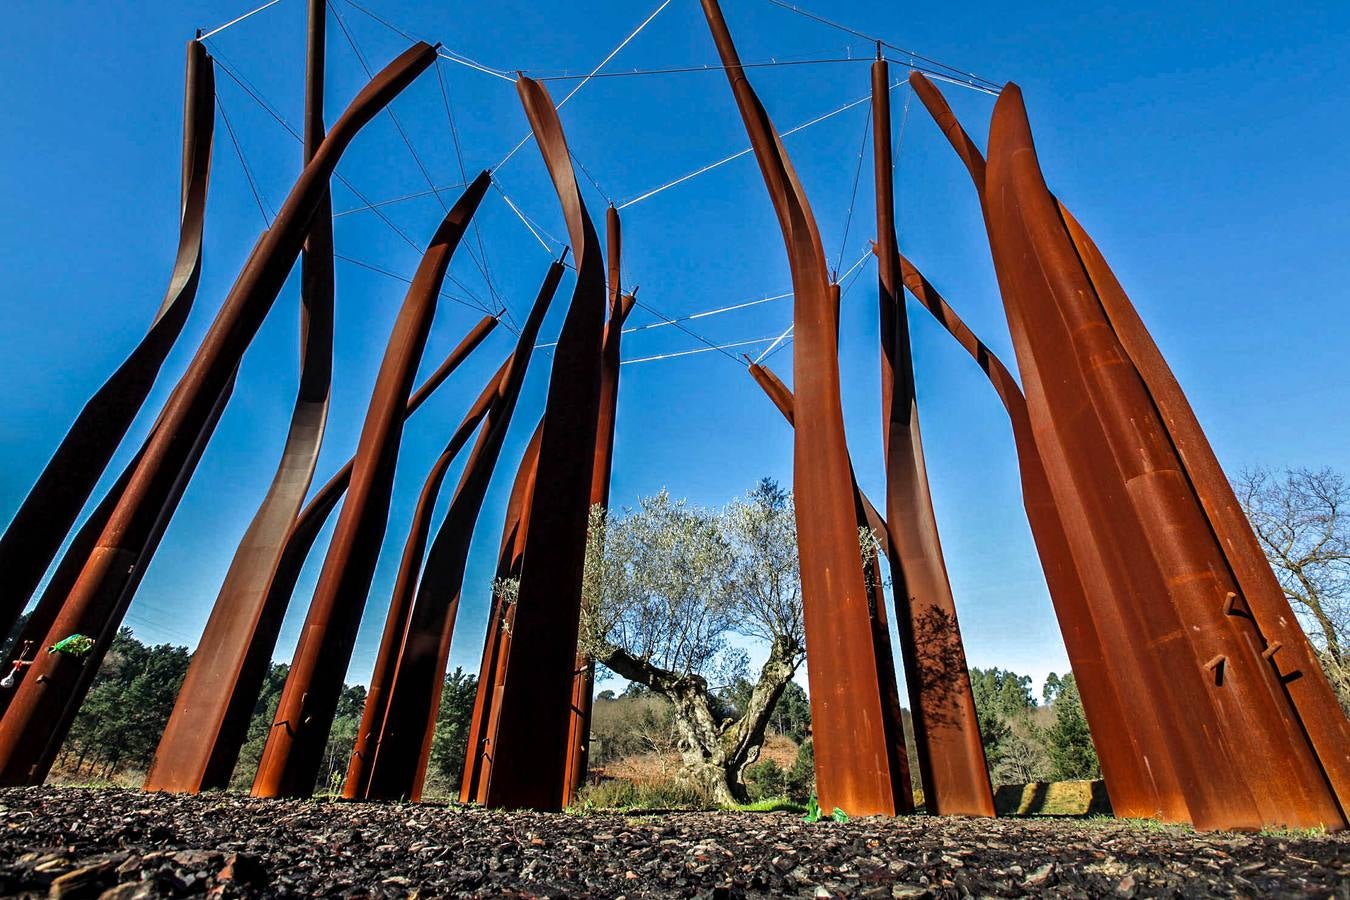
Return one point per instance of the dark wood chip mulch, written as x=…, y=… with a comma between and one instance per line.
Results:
x=124, y=844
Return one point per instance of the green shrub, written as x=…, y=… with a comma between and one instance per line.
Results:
x=765, y=779
x=800, y=781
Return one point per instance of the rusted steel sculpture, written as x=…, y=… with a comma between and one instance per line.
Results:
x=529, y=734
x=853, y=759
x=1292, y=655
x=402, y=720
x=1232, y=752
x=202, y=741
x=238, y=606
x=870, y=520
x=583, y=674
x=43, y=520
x=304, y=715
x=498, y=635
x=1116, y=731
x=97, y=599
x=942, y=706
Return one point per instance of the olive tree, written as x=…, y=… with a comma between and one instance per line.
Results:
x=667, y=586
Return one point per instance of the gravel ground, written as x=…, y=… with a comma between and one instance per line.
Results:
x=121, y=844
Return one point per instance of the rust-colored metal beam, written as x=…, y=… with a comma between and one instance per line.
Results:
x=99, y=596
x=1300, y=671
x=294, y=750
x=42, y=521
x=403, y=721
x=583, y=674
x=1136, y=467
x=237, y=608
x=867, y=518
x=853, y=755
x=529, y=735
x=1120, y=725
x=952, y=765
x=213, y=731
x=477, y=755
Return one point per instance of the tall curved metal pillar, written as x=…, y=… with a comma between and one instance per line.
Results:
x=405, y=586
x=96, y=600
x=1098, y=395
x=942, y=706
x=207, y=729
x=42, y=521
x=853, y=760
x=867, y=518
x=1294, y=658
x=403, y=719
x=237, y=607
x=529, y=735
x=583, y=674
x=1122, y=717
x=478, y=752
x=294, y=750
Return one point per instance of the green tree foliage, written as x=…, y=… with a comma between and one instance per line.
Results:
x=448, y=742
x=259, y=726
x=119, y=724
x=800, y=782
x=1067, y=739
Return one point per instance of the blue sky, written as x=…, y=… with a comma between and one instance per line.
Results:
x=1202, y=144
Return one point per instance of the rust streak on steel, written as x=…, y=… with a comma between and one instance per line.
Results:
x=529, y=734
x=33, y=537
x=870, y=520
x=1259, y=743
x=224, y=737
x=399, y=747
x=1116, y=731
x=1313, y=698
x=96, y=601
x=182, y=757
x=508, y=567
x=942, y=705
x=853, y=767
x=304, y=715
x=583, y=675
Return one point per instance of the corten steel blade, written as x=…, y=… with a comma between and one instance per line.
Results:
x=853, y=770
x=583, y=672
x=185, y=422
x=304, y=715
x=508, y=566
x=867, y=518
x=530, y=733
x=1041, y=273
x=1139, y=673
x=34, y=536
x=1117, y=734
x=1147, y=647
x=401, y=742
x=56, y=725
x=214, y=729
x=952, y=764
x=1320, y=713
x=237, y=606
x=405, y=584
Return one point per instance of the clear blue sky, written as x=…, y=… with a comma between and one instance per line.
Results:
x=1202, y=144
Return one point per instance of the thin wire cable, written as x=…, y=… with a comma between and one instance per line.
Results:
x=695, y=335
x=220, y=28
x=691, y=317
x=782, y=337
x=394, y=200
x=248, y=174
x=613, y=53
x=684, y=70
x=735, y=156
x=876, y=40
x=524, y=219
x=397, y=277
x=853, y=198
x=442, y=51
x=723, y=348
x=473, y=65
